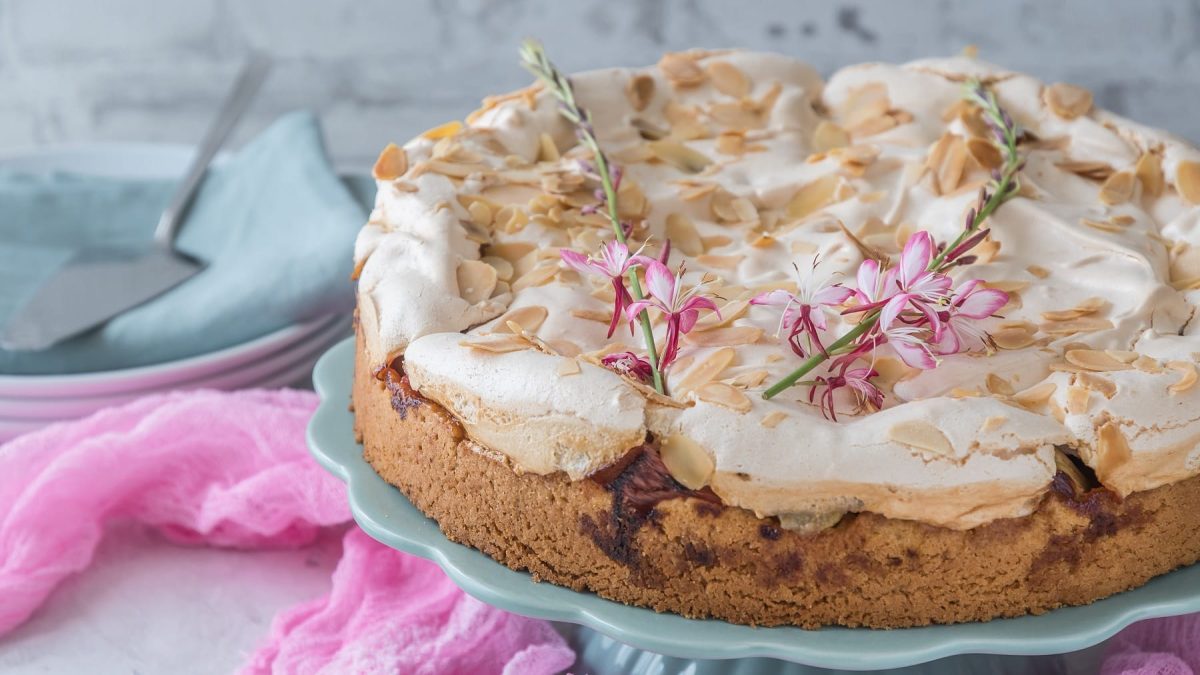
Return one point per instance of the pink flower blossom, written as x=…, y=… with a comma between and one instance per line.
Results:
x=803, y=313
x=614, y=262
x=681, y=308
x=910, y=340
x=630, y=365
x=970, y=304
x=914, y=284
x=857, y=379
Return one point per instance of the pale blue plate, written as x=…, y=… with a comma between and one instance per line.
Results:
x=385, y=514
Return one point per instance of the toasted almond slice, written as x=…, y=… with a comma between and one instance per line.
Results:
x=640, y=90
x=529, y=318
x=773, y=418
x=1036, y=396
x=391, y=164
x=535, y=277
x=1097, y=383
x=1112, y=449
x=504, y=269
x=683, y=235
x=681, y=69
x=480, y=213
x=1187, y=181
x=592, y=315
x=1038, y=271
x=1147, y=365
x=949, y=172
x=1094, y=359
x=687, y=462
x=568, y=367
x=1149, y=172
x=724, y=395
x=1067, y=100
x=679, y=155
x=1012, y=338
x=985, y=153
x=812, y=197
x=446, y=130
x=1089, y=306
x=999, y=386
x=1123, y=355
x=922, y=436
x=476, y=280
x=497, y=343
x=730, y=336
x=728, y=79
x=547, y=150
x=1118, y=188
x=1078, y=399
x=750, y=379
x=1087, y=169
x=1084, y=324
x=730, y=312
x=706, y=370
x=1187, y=376
x=993, y=423
x=731, y=143
x=828, y=136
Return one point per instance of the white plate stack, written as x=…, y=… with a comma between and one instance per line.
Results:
x=282, y=358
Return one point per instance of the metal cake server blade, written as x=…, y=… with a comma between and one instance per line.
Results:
x=99, y=283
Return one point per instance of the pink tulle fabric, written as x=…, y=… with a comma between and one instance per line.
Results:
x=232, y=470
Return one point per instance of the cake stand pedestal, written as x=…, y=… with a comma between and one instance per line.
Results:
x=618, y=638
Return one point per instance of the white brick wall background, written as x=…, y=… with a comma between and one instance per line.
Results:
x=380, y=70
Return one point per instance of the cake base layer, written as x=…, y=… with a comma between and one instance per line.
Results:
x=685, y=554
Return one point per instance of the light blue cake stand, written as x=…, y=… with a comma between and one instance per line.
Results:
x=615, y=638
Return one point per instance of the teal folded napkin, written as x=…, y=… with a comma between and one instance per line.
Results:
x=275, y=225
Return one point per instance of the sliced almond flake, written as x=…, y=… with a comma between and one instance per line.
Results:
x=706, y=370
x=1150, y=174
x=922, y=436
x=864, y=104
x=455, y=169
x=745, y=209
x=1038, y=271
x=999, y=386
x=1067, y=100
x=985, y=153
x=1007, y=285
x=812, y=197
x=1103, y=226
x=1187, y=376
x=1080, y=325
x=1147, y=365
x=640, y=90
x=872, y=126
x=1089, y=306
x=1078, y=399
x=686, y=461
x=446, y=130
x=864, y=249
x=726, y=262
x=949, y=172
x=728, y=79
x=535, y=277
x=592, y=315
x=529, y=318
x=1012, y=338
x=1187, y=181
x=681, y=69
x=750, y=379
x=547, y=150
x=959, y=392
x=695, y=191
x=731, y=143
x=1122, y=355
x=1036, y=396
x=828, y=136
x=497, y=343
x=391, y=164
x=683, y=235
x=729, y=312
x=476, y=280
x=1112, y=449
x=724, y=395
x=773, y=418
x=715, y=241
x=992, y=423
x=631, y=201
x=1095, y=360
x=568, y=367
x=1118, y=188
x=679, y=156
x=728, y=336
x=1097, y=383
x=1087, y=169
x=1122, y=219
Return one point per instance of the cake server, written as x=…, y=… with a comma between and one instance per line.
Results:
x=99, y=283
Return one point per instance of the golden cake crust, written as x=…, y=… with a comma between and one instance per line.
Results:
x=693, y=557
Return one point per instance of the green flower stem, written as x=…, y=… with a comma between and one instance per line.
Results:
x=534, y=58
